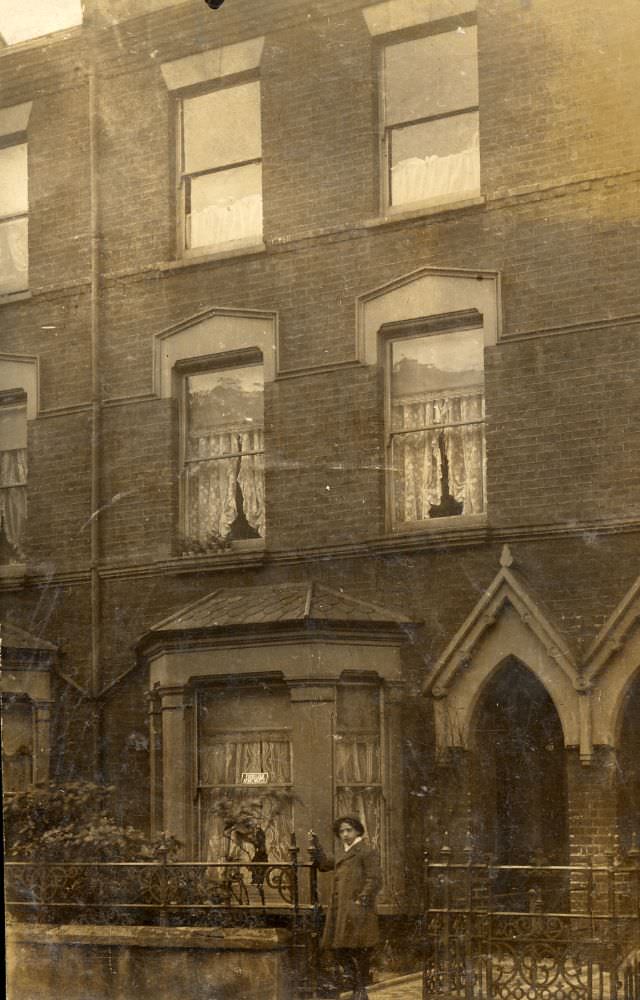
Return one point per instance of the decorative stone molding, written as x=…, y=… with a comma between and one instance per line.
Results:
x=20, y=371
x=612, y=663
x=424, y=293
x=214, y=331
x=397, y=15
x=507, y=621
x=212, y=65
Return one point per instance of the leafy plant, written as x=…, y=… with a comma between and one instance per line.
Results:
x=71, y=822
x=247, y=816
x=214, y=542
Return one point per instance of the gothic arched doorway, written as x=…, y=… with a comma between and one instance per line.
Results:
x=629, y=767
x=518, y=796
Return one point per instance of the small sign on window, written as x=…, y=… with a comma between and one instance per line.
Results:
x=255, y=777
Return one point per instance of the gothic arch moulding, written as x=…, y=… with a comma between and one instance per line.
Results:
x=612, y=663
x=507, y=622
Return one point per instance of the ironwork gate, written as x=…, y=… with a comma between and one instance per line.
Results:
x=531, y=932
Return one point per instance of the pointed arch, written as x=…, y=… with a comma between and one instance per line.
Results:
x=507, y=622
x=612, y=664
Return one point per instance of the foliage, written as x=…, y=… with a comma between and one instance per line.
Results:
x=213, y=543
x=247, y=816
x=71, y=822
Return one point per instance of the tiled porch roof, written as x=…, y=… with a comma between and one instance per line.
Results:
x=276, y=603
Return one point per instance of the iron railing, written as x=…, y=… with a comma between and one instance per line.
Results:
x=163, y=892
x=531, y=932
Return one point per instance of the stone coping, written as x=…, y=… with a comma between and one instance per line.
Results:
x=118, y=935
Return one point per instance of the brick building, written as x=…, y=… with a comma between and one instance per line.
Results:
x=320, y=409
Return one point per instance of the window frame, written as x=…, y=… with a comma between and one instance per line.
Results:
x=377, y=732
x=181, y=175
x=9, y=699
x=18, y=138
x=16, y=398
x=248, y=357
x=428, y=326
x=439, y=27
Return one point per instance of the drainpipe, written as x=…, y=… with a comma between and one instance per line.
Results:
x=96, y=423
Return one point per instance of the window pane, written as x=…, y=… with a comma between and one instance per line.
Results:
x=13, y=426
x=435, y=159
x=431, y=76
x=14, y=198
x=14, y=238
x=224, y=475
x=424, y=367
x=222, y=127
x=358, y=708
x=225, y=206
x=437, y=387
x=222, y=404
x=17, y=745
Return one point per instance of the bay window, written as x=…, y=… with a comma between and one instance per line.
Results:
x=435, y=393
x=223, y=449
x=17, y=743
x=431, y=117
x=357, y=759
x=244, y=774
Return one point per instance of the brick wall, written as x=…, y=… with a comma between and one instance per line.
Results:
x=558, y=89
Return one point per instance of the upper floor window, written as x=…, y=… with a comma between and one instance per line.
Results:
x=436, y=431
x=14, y=216
x=221, y=169
x=431, y=118
x=13, y=475
x=223, y=449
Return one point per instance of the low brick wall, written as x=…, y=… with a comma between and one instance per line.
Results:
x=81, y=962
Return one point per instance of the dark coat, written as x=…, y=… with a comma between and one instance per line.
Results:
x=351, y=919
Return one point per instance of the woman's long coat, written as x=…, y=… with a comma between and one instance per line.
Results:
x=351, y=918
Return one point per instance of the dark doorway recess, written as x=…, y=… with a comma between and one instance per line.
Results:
x=519, y=793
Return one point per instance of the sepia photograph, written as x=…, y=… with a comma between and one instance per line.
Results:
x=320, y=499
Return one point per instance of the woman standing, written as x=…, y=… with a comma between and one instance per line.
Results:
x=351, y=928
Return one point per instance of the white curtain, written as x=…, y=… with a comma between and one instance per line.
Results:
x=223, y=763
x=417, y=179
x=211, y=486
x=464, y=447
x=14, y=255
x=251, y=479
x=358, y=791
x=417, y=459
x=13, y=496
x=231, y=219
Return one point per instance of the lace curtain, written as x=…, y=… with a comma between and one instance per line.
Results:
x=417, y=458
x=358, y=792
x=14, y=255
x=212, y=504
x=417, y=179
x=13, y=497
x=227, y=220
x=223, y=763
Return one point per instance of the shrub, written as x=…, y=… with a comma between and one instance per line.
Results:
x=72, y=822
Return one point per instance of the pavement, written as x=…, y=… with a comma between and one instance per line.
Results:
x=401, y=988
